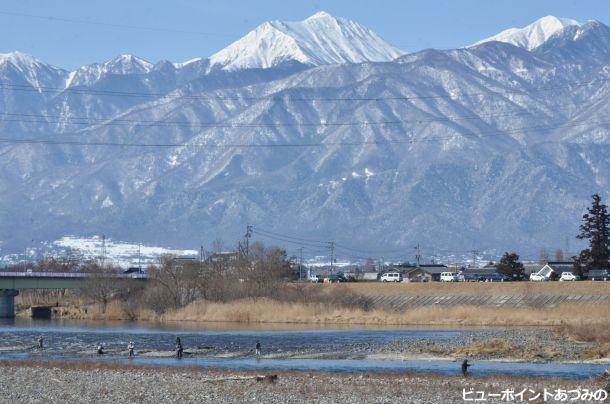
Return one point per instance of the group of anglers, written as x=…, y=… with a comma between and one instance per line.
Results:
x=179, y=350
x=131, y=347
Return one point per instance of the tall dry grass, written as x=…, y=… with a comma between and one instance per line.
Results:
x=583, y=322
x=272, y=311
x=588, y=331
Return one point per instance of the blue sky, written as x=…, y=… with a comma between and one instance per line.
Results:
x=409, y=25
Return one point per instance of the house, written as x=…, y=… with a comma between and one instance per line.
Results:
x=416, y=275
x=434, y=270
x=478, y=274
x=546, y=271
x=561, y=266
x=555, y=268
x=531, y=268
x=370, y=276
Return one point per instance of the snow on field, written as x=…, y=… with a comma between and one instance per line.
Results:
x=119, y=253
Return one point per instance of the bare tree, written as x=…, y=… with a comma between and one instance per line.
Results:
x=174, y=283
x=559, y=255
x=101, y=285
x=544, y=257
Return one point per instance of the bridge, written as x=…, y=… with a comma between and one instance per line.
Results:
x=12, y=282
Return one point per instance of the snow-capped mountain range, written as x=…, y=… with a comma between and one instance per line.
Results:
x=533, y=35
x=317, y=130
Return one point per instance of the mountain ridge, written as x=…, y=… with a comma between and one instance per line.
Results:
x=492, y=146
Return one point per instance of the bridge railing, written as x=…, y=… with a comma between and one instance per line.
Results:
x=70, y=275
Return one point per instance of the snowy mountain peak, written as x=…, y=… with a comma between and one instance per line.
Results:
x=320, y=14
x=122, y=64
x=318, y=40
x=533, y=35
x=19, y=59
x=127, y=64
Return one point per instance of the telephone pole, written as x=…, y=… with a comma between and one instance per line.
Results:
x=331, y=249
x=300, y=250
x=417, y=254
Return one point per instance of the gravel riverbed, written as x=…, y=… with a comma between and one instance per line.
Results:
x=88, y=382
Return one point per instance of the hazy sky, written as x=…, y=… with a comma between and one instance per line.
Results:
x=409, y=25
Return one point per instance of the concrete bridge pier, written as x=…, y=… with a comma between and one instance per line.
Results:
x=7, y=302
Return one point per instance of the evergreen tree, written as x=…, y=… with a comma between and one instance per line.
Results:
x=596, y=228
x=509, y=265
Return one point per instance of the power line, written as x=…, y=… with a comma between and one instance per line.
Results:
x=293, y=145
x=110, y=121
x=113, y=25
x=88, y=91
x=258, y=229
x=278, y=238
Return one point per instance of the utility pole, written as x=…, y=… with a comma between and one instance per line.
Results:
x=200, y=258
x=140, y=256
x=300, y=250
x=331, y=249
x=474, y=258
x=417, y=254
x=433, y=256
x=247, y=237
x=103, y=255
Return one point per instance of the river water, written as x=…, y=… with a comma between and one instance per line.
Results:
x=334, y=350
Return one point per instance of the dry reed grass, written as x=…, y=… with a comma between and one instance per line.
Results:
x=272, y=311
x=579, y=321
x=595, y=330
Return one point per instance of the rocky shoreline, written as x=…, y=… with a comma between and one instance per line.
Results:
x=86, y=382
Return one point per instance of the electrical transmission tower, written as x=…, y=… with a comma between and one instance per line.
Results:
x=247, y=236
x=474, y=258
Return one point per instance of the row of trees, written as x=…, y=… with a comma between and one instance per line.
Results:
x=174, y=283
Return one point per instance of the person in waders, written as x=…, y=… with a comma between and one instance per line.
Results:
x=100, y=349
x=131, y=348
x=257, y=350
x=465, y=366
x=40, y=342
x=178, y=348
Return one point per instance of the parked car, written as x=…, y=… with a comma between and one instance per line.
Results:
x=336, y=278
x=448, y=277
x=315, y=278
x=498, y=278
x=568, y=276
x=537, y=277
x=598, y=274
x=471, y=277
x=391, y=277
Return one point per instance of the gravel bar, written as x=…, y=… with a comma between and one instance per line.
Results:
x=86, y=382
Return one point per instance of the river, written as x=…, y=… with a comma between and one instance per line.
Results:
x=231, y=346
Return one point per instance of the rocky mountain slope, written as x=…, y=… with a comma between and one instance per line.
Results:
x=493, y=146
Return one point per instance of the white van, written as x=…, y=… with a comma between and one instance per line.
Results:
x=391, y=277
x=448, y=277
